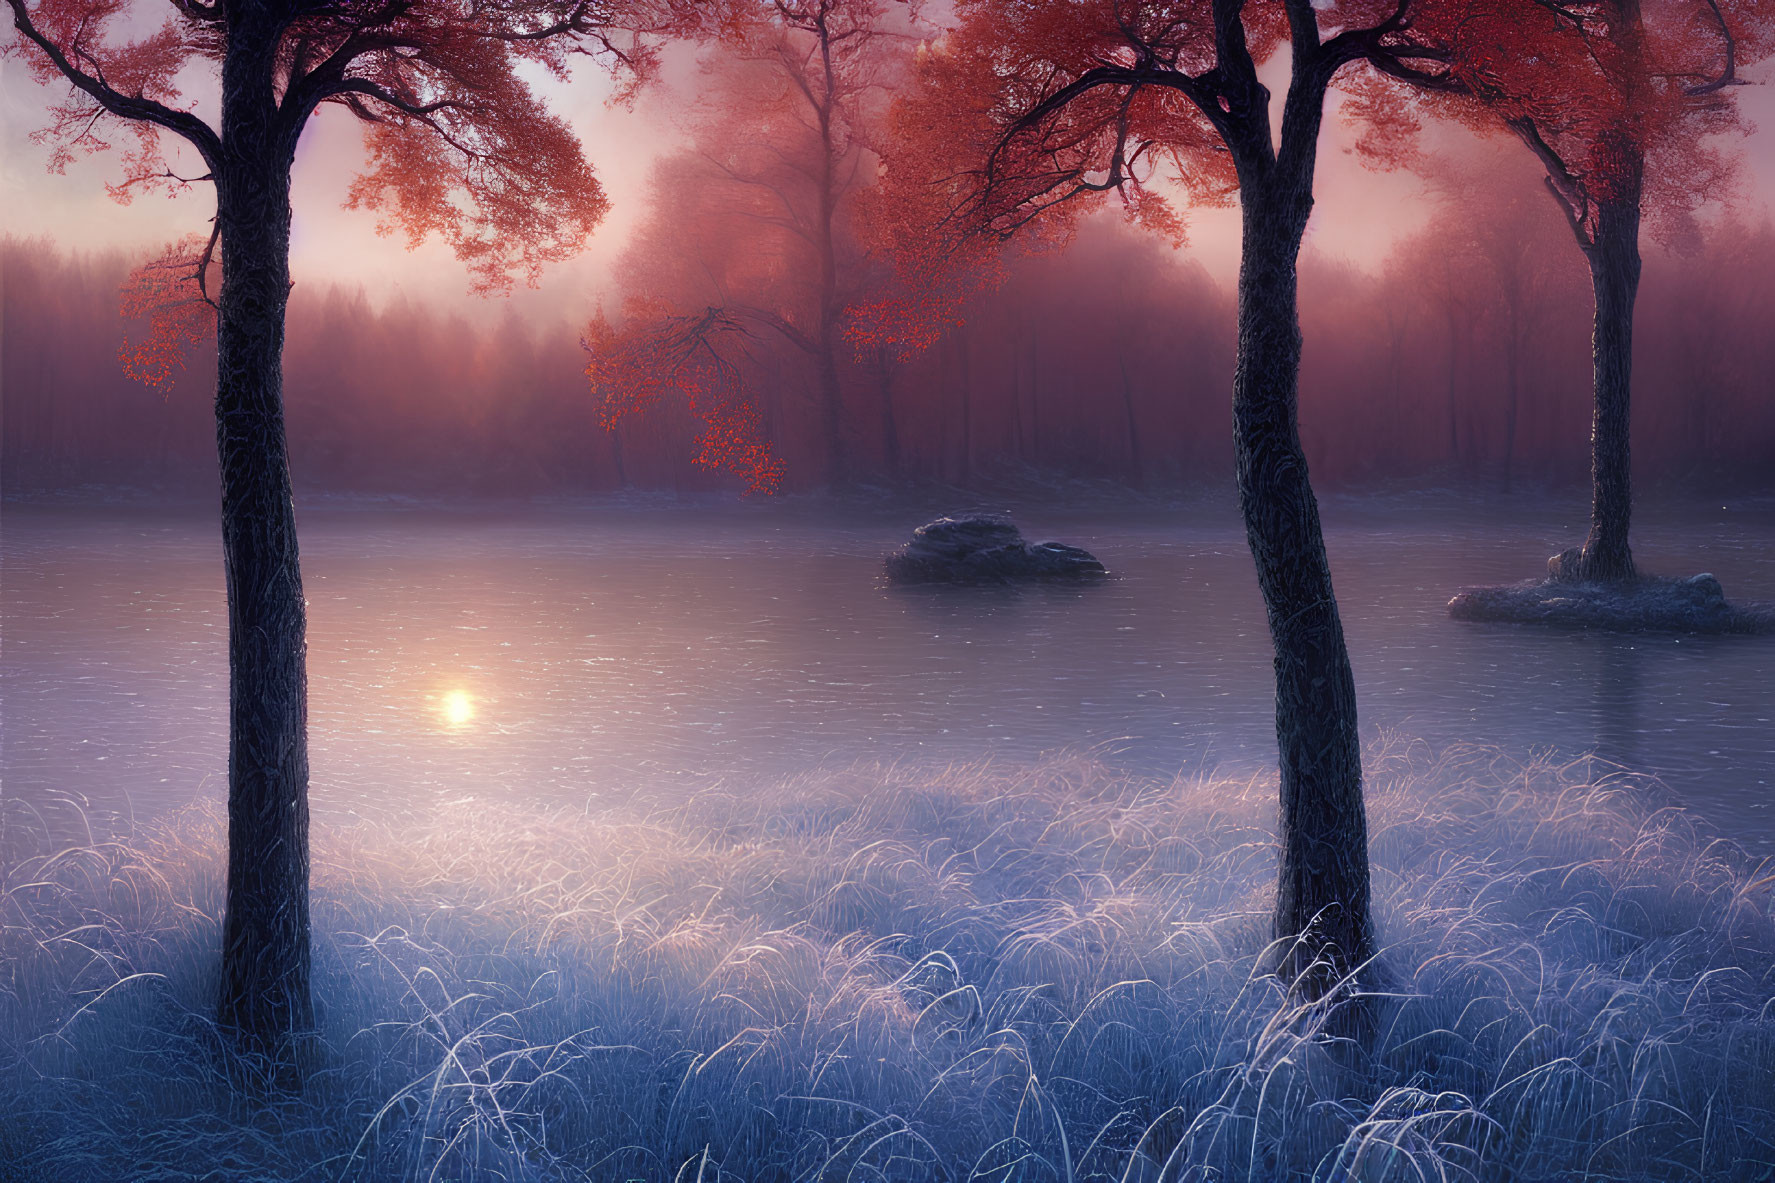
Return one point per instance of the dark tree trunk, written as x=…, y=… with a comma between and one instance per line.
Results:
x=1614, y=275
x=265, y=950
x=1322, y=892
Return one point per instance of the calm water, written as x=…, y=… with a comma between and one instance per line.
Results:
x=597, y=651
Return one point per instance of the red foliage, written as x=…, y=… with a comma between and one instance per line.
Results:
x=658, y=354
x=1005, y=59
x=1599, y=89
x=171, y=292
x=1025, y=118
x=756, y=222
x=459, y=145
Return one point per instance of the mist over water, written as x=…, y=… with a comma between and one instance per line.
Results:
x=577, y=655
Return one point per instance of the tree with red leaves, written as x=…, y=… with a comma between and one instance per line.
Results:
x=1623, y=103
x=698, y=357
x=1023, y=115
x=459, y=146
x=753, y=223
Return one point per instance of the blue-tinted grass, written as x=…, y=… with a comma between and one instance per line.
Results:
x=1049, y=973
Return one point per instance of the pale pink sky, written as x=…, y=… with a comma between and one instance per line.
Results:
x=1357, y=214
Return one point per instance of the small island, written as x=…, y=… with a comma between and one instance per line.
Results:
x=1644, y=603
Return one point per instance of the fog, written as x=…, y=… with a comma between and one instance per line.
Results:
x=658, y=836
x=1462, y=359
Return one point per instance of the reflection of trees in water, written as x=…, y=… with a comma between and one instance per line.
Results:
x=1617, y=701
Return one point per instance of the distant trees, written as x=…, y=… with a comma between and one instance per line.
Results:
x=1023, y=110
x=1488, y=275
x=750, y=233
x=1621, y=103
x=456, y=413
x=458, y=146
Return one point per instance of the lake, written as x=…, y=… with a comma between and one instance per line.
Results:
x=563, y=653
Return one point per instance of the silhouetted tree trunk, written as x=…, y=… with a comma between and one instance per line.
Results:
x=1322, y=893
x=1610, y=242
x=265, y=940
x=1614, y=276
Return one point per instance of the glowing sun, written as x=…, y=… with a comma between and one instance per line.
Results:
x=458, y=708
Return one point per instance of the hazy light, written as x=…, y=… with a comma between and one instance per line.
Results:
x=458, y=708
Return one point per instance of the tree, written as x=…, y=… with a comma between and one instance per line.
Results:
x=753, y=221
x=1620, y=102
x=458, y=146
x=1026, y=112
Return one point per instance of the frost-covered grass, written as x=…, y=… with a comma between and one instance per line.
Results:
x=979, y=973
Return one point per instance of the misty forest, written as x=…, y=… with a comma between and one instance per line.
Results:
x=878, y=591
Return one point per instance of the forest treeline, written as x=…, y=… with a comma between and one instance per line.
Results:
x=1464, y=356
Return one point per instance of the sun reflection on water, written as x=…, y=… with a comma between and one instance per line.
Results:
x=458, y=708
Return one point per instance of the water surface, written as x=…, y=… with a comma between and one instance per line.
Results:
x=557, y=654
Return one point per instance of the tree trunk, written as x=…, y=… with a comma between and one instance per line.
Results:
x=1614, y=275
x=265, y=950
x=1322, y=892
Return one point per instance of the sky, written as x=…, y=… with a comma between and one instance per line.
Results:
x=1357, y=213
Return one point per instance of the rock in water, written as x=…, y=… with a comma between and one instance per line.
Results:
x=1697, y=604
x=984, y=548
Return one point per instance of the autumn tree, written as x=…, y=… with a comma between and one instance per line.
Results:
x=750, y=229
x=1023, y=115
x=458, y=146
x=1622, y=102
